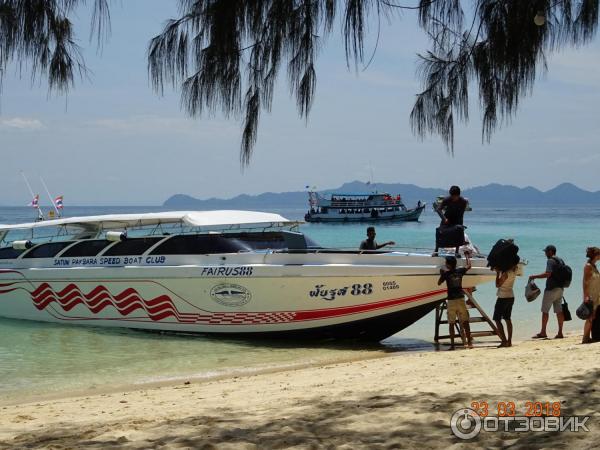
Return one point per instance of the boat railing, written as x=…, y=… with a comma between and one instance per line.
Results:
x=363, y=204
x=398, y=250
x=425, y=251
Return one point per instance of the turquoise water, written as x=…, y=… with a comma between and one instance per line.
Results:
x=38, y=358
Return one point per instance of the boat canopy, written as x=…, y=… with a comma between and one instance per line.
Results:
x=357, y=195
x=223, y=219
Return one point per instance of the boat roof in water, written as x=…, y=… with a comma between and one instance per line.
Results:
x=336, y=194
x=208, y=219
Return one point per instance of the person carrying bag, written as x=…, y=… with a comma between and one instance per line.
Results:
x=591, y=296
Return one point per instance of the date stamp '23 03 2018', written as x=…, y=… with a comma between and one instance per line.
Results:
x=517, y=417
x=510, y=409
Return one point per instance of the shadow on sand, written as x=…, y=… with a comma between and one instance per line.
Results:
x=372, y=421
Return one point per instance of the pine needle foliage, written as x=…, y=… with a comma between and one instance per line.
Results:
x=39, y=37
x=226, y=55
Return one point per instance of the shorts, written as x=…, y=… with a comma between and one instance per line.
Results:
x=552, y=297
x=457, y=308
x=503, y=308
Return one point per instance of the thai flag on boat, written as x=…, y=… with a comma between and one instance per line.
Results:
x=35, y=202
x=58, y=202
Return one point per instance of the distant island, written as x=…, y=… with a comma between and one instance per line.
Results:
x=491, y=194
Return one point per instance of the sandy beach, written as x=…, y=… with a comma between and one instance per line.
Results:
x=399, y=401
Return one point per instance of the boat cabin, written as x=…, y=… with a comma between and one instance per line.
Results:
x=97, y=239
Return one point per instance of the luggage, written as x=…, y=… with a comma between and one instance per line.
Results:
x=562, y=273
x=450, y=236
x=565, y=310
x=532, y=291
x=503, y=255
x=584, y=311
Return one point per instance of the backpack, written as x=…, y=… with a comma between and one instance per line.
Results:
x=562, y=273
x=503, y=255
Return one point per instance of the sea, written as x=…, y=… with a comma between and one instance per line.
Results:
x=39, y=360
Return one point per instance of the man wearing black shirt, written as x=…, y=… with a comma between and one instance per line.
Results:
x=456, y=297
x=453, y=207
x=451, y=211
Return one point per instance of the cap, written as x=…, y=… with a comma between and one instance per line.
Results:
x=550, y=248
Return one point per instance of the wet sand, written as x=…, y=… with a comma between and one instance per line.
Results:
x=399, y=401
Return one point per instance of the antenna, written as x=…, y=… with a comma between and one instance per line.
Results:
x=370, y=183
x=50, y=197
x=39, y=210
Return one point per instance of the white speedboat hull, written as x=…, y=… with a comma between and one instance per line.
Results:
x=337, y=301
x=226, y=272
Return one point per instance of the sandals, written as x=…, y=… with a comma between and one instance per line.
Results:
x=540, y=336
x=559, y=336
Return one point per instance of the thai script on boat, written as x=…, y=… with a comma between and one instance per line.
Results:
x=241, y=271
x=325, y=293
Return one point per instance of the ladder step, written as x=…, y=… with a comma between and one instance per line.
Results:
x=474, y=334
x=447, y=336
x=471, y=320
x=482, y=318
x=483, y=333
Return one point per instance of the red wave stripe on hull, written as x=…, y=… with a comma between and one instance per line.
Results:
x=99, y=298
x=162, y=306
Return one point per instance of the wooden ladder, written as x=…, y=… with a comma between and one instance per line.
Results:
x=441, y=319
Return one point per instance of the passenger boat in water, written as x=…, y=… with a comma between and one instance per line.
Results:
x=375, y=207
x=224, y=272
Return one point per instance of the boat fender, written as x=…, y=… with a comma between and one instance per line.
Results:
x=22, y=245
x=116, y=236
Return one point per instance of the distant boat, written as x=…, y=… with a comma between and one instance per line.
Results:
x=374, y=207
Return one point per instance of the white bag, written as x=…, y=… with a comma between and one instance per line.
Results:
x=532, y=291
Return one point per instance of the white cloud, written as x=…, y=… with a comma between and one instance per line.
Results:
x=22, y=123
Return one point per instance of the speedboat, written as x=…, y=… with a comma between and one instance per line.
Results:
x=234, y=273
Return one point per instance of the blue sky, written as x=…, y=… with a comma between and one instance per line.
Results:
x=113, y=141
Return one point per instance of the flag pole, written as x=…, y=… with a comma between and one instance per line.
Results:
x=50, y=197
x=40, y=213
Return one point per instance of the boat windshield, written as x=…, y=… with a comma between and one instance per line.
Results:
x=202, y=244
x=42, y=235
x=49, y=244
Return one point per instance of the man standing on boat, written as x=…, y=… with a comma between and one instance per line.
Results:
x=451, y=210
x=370, y=243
